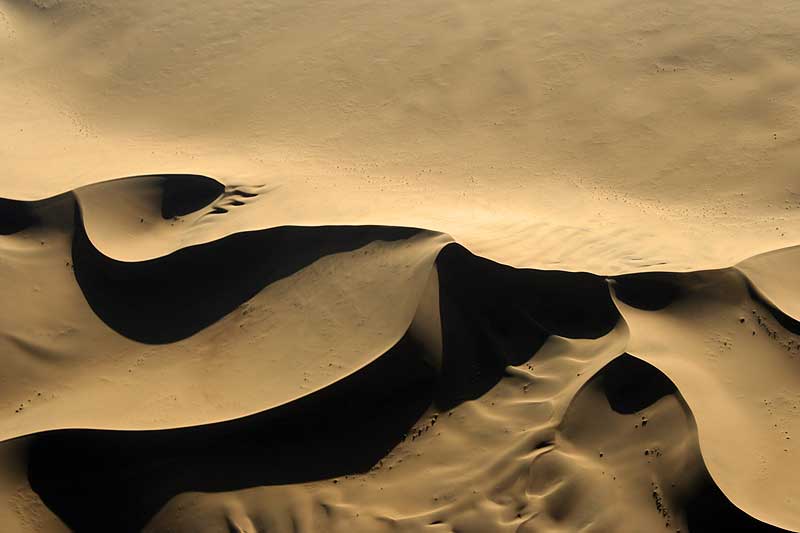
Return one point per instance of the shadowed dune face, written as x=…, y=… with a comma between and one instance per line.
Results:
x=786, y=321
x=491, y=398
x=128, y=476
x=494, y=316
x=648, y=291
x=448, y=266
x=773, y=281
x=630, y=385
x=186, y=193
x=279, y=326
x=733, y=357
x=170, y=298
x=276, y=468
x=15, y=216
x=644, y=436
x=709, y=511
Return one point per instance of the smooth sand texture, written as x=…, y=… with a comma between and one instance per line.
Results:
x=351, y=266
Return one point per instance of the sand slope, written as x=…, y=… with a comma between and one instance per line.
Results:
x=376, y=378
x=354, y=266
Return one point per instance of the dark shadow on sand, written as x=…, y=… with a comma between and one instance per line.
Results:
x=173, y=297
x=631, y=384
x=649, y=291
x=16, y=215
x=495, y=315
x=186, y=193
x=117, y=480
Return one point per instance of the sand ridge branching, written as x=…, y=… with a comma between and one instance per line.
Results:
x=426, y=388
x=442, y=267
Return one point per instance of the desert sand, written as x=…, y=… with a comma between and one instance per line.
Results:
x=442, y=267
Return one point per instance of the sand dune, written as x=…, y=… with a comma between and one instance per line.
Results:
x=298, y=309
x=340, y=377
x=445, y=267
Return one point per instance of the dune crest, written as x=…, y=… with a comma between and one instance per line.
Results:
x=441, y=267
x=233, y=350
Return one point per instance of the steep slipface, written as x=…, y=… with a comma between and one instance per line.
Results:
x=15, y=216
x=183, y=194
x=370, y=378
x=452, y=266
x=210, y=332
x=494, y=316
x=734, y=357
x=171, y=298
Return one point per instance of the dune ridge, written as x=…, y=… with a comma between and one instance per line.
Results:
x=450, y=267
x=256, y=407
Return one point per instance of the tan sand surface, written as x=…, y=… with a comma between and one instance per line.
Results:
x=446, y=267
